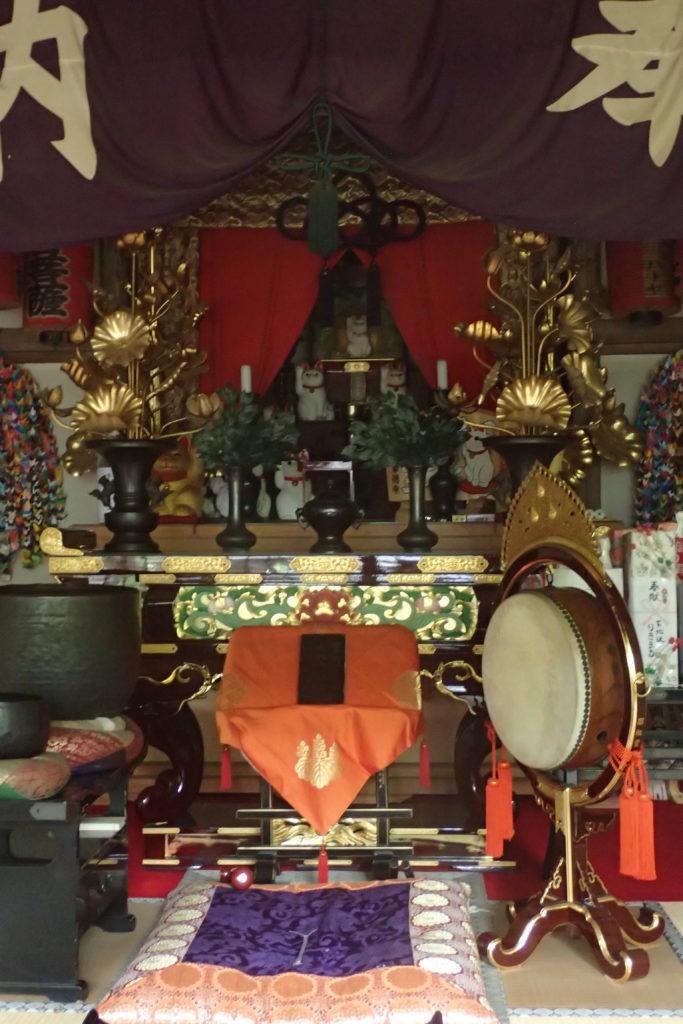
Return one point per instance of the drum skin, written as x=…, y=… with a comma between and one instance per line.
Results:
x=552, y=678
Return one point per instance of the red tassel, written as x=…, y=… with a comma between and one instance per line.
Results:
x=323, y=873
x=425, y=773
x=226, y=769
x=494, y=819
x=499, y=825
x=636, y=817
x=505, y=779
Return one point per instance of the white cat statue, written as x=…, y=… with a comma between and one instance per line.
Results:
x=289, y=481
x=264, y=501
x=392, y=379
x=312, y=401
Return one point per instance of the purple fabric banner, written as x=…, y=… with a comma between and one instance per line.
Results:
x=562, y=116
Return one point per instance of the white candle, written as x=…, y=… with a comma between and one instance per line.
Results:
x=245, y=378
x=442, y=375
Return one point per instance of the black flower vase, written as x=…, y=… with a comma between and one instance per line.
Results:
x=443, y=488
x=131, y=519
x=235, y=537
x=417, y=536
x=521, y=451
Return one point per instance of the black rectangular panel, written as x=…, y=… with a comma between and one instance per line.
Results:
x=322, y=668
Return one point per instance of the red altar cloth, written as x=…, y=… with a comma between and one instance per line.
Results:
x=319, y=756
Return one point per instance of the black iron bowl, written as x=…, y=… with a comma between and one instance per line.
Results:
x=24, y=725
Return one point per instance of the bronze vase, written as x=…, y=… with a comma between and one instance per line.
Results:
x=417, y=536
x=131, y=519
x=235, y=537
x=520, y=452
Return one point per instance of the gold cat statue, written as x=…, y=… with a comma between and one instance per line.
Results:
x=180, y=476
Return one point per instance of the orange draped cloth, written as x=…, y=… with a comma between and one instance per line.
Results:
x=319, y=756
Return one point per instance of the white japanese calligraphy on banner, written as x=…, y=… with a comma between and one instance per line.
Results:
x=65, y=96
x=647, y=55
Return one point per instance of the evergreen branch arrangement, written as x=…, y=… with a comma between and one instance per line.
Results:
x=398, y=433
x=246, y=434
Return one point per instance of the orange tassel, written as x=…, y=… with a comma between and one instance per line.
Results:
x=636, y=816
x=226, y=769
x=499, y=825
x=323, y=873
x=505, y=780
x=425, y=773
x=494, y=819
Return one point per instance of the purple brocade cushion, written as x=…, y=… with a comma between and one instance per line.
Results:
x=397, y=952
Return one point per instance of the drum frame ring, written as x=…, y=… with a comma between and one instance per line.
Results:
x=635, y=686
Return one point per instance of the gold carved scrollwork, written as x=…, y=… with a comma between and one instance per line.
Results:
x=348, y=832
x=318, y=765
x=156, y=579
x=452, y=563
x=65, y=565
x=183, y=674
x=195, y=564
x=325, y=564
x=245, y=579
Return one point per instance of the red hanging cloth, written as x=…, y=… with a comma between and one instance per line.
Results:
x=260, y=289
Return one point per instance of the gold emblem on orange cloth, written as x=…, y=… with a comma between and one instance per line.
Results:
x=318, y=766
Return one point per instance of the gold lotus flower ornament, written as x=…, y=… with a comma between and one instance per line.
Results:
x=534, y=402
x=204, y=408
x=107, y=410
x=78, y=459
x=120, y=338
x=542, y=358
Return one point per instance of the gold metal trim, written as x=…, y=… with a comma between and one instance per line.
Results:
x=324, y=577
x=453, y=563
x=325, y=564
x=426, y=648
x=488, y=577
x=183, y=674
x=243, y=578
x=478, y=649
x=410, y=578
x=51, y=542
x=151, y=579
x=65, y=565
x=221, y=648
x=195, y=564
x=357, y=366
x=159, y=648
x=159, y=862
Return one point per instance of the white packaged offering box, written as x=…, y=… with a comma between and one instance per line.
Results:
x=651, y=595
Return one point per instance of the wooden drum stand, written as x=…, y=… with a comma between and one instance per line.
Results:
x=575, y=895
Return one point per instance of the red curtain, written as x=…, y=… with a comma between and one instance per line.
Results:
x=261, y=288
x=432, y=284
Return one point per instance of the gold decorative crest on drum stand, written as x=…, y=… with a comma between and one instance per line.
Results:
x=563, y=684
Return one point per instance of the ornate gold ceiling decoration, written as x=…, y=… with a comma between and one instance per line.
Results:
x=254, y=201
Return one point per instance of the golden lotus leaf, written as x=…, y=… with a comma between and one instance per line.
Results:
x=534, y=402
x=203, y=407
x=578, y=454
x=490, y=380
x=120, y=338
x=112, y=407
x=574, y=323
x=481, y=332
x=586, y=378
x=78, y=459
x=85, y=373
x=613, y=436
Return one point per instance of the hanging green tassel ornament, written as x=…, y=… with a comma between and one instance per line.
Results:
x=322, y=231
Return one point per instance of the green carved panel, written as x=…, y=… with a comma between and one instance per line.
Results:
x=431, y=612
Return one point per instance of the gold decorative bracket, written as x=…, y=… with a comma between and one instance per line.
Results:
x=183, y=674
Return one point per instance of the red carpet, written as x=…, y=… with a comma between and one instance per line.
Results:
x=529, y=845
